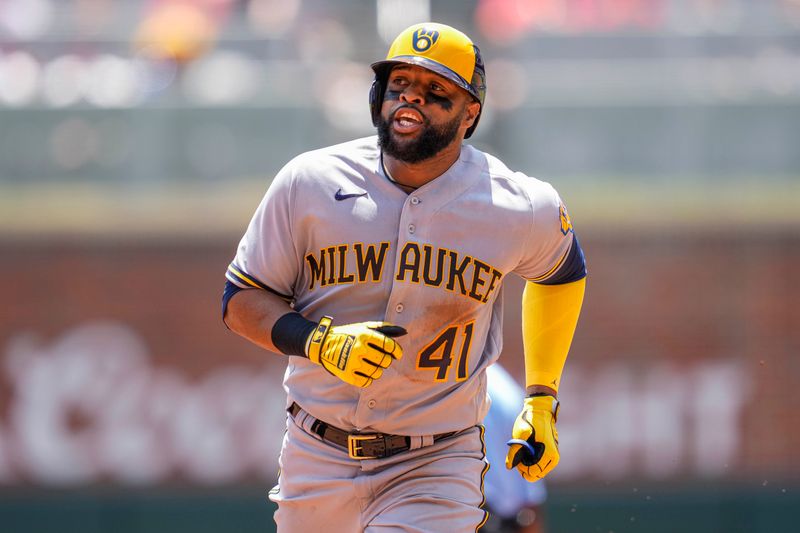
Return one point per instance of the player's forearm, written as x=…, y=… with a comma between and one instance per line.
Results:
x=549, y=317
x=252, y=313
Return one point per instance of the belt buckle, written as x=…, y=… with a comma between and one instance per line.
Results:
x=354, y=448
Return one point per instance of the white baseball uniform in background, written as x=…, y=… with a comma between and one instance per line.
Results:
x=507, y=493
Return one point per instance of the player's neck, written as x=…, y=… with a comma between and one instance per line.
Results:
x=410, y=176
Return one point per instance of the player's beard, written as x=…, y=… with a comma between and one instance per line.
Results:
x=430, y=142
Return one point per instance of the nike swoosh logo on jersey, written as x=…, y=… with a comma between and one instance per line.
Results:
x=344, y=196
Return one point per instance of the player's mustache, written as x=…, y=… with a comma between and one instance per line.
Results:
x=409, y=106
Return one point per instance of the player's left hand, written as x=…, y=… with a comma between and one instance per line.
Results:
x=533, y=448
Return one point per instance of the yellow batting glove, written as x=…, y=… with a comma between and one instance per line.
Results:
x=533, y=448
x=355, y=353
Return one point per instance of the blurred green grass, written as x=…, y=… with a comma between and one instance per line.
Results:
x=224, y=208
x=699, y=508
x=683, y=204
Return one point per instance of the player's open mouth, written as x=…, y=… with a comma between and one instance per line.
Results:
x=407, y=120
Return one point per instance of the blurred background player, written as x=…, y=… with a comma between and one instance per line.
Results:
x=514, y=505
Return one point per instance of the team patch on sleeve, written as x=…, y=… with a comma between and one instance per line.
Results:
x=566, y=222
x=239, y=277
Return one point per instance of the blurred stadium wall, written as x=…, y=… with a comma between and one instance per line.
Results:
x=137, y=137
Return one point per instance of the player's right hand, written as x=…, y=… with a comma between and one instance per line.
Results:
x=355, y=353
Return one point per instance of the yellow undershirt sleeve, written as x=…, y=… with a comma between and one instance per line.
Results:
x=549, y=316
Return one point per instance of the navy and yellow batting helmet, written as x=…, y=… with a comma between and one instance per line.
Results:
x=436, y=47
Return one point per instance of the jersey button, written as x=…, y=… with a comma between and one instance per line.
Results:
x=399, y=308
x=371, y=404
x=411, y=228
x=414, y=200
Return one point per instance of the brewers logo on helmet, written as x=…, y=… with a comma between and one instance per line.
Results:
x=438, y=48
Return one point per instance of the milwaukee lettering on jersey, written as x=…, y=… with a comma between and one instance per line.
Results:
x=437, y=267
x=433, y=267
x=331, y=266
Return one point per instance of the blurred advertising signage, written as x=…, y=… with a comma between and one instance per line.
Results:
x=91, y=407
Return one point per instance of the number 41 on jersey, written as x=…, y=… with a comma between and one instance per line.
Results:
x=438, y=355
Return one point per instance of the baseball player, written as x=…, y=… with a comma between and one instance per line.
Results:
x=375, y=267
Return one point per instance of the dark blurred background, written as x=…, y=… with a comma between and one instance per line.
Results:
x=137, y=138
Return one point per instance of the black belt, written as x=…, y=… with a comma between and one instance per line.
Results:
x=363, y=445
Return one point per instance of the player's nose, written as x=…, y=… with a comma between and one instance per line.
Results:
x=413, y=94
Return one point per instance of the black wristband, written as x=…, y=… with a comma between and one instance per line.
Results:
x=290, y=332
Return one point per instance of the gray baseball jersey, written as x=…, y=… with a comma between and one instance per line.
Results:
x=336, y=237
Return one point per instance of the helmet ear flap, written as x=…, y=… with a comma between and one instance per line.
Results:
x=376, y=100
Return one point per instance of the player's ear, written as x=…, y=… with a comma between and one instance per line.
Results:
x=473, y=110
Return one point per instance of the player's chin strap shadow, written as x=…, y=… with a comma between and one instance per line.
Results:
x=528, y=454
